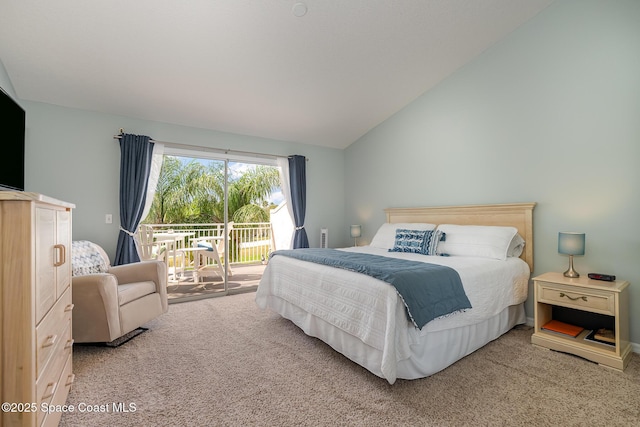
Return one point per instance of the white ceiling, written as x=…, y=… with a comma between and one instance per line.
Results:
x=248, y=66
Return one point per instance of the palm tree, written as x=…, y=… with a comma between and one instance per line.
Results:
x=194, y=193
x=166, y=202
x=248, y=195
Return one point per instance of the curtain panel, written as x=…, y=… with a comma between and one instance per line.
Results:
x=298, y=188
x=136, y=153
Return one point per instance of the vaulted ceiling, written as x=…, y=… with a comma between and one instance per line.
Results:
x=320, y=72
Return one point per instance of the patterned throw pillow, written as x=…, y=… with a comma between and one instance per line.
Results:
x=86, y=258
x=431, y=242
x=422, y=242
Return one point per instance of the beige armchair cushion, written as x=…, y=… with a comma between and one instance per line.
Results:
x=112, y=304
x=132, y=291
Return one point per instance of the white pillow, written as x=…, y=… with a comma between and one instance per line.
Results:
x=476, y=241
x=386, y=235
x=516, y=246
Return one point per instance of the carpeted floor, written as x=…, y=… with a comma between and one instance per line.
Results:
x=224, y=362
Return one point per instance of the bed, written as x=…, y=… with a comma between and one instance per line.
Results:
x=367, y=320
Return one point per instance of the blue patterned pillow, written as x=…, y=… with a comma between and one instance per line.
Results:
x=417, y=241
x=431, y=242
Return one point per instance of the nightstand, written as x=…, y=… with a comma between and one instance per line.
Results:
x=590, y=304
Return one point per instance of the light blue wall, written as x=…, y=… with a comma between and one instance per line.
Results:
x=71, y=155
x=550, y=115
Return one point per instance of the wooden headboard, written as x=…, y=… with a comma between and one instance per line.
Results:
x=518, y=215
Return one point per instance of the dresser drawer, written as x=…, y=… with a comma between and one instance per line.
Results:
x=51, y=329
x=578, y=298
x=59, y=396
x=50, y=380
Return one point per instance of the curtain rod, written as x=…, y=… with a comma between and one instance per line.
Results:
x=209, y=149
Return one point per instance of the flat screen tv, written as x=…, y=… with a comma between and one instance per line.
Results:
x=12, y=117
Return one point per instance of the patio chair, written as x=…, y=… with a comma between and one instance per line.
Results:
x=214, y=255
x=151, y=250
x=148, y=250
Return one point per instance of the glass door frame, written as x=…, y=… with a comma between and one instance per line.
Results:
x=204, y=154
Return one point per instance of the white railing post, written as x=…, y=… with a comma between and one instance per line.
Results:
x=250, y=242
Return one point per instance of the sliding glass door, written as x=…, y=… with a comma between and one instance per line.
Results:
x=219, y=211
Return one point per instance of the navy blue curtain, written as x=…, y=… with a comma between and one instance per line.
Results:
x=135, y=164
x=298, y=185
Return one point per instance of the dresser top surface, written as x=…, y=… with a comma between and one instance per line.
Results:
x=32, y=197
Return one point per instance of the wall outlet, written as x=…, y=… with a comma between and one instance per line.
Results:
x=108, y=219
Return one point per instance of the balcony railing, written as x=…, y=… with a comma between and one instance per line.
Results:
x=248, y=242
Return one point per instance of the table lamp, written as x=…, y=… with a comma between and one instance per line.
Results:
x=356, y=231
x=571, y=244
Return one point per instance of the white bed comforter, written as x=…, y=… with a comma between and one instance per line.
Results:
x=372, y=311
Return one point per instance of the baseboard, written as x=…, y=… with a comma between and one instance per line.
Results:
x=634, y=346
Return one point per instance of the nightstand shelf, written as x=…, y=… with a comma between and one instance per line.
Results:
x=595, y=302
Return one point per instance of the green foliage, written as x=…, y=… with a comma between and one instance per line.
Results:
x=194, y=193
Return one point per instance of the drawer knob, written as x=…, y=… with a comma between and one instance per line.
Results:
x=51, y=340
x=583, y=298
x=50, y=390
x=70, y=379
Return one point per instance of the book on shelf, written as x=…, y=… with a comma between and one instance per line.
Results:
x=606, y=335
x=593, y=337
x=562, y=328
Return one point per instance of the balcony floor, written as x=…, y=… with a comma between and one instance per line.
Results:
x=245, y=278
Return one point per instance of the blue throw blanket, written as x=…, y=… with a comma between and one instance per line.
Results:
x=429, y=291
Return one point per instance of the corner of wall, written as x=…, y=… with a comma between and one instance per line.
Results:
x=5, y=81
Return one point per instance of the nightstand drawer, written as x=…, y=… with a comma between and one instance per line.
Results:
x=581, y=299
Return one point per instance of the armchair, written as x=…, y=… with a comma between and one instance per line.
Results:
x=116, y=300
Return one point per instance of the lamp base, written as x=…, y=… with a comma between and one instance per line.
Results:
x=571, y=272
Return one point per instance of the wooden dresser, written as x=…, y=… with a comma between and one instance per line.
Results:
x=35, y=304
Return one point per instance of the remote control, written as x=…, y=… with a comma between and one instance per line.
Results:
x=605, y=277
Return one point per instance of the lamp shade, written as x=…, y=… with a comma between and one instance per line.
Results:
x=356, y=231
x=570, y=243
